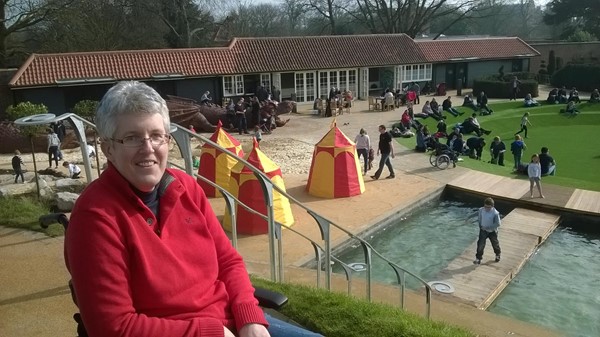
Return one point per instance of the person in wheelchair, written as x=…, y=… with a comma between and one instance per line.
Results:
x=443, y=149
x=145, y=251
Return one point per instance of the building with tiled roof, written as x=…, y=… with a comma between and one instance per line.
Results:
x=301, y=68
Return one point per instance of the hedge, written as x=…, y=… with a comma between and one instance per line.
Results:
x=498, y=89
x=585, y=77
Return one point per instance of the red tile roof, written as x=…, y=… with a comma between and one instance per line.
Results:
x=242, y=56
x=256, y=55
x=474, y=49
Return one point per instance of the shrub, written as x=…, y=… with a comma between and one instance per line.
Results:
x=585, y=77
x=25, y=109
x=86, y=109
x=502, y=89
x=551, y=63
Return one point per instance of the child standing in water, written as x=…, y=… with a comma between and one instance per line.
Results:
x=534, y=171
x=524, y=122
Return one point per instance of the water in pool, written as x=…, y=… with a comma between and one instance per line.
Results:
x=424, y=242
x=557, y=288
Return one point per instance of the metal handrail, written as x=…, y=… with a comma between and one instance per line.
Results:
x=182, y=138
x=324, y=226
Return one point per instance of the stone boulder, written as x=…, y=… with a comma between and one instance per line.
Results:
x=65, y=201
x=70, y=185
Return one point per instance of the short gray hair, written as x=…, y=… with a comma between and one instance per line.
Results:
x=129, y=97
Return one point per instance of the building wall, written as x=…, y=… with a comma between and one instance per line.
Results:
x=6, y=96
x=481, y=69
x=568, y=51
x=53, y=98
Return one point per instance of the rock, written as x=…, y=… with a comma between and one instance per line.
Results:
x=65, y=201
x=70, y=185
x=13, y=190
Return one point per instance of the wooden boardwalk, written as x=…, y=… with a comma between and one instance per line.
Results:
x=522, y=231
x=517, y=189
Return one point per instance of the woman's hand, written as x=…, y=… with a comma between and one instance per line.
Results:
x=254, y=330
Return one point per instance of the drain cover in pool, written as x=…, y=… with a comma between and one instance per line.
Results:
x=442, y=287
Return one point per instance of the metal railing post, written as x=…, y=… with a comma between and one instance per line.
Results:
x=267, y=189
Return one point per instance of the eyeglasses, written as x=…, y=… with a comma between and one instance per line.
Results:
x=156, y=140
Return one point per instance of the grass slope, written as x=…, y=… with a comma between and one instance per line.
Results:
x=574, y=142
x=339, y=315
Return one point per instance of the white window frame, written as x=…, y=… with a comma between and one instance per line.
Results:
x=231, y=83
x=265, y=80
x=416, y=72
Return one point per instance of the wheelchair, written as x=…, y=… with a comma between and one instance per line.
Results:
x=442, y=156
x=269, y=300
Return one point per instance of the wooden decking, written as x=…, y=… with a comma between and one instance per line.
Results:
x=557, y=197
x=522, y=231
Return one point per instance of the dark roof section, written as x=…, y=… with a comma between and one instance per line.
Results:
x=475, y=49
x=242, y=56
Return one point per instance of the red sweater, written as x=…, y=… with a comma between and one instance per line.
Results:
x=135, y=275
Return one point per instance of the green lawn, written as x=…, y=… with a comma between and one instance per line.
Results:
x=574, y=143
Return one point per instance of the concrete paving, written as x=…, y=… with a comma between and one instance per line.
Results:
x=35, y=301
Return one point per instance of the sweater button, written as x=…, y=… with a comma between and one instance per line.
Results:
x=158, y=232
x=149, y=221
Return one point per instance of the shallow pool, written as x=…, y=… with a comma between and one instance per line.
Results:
x=558, y=288
x=424, y=242
x=559, y=285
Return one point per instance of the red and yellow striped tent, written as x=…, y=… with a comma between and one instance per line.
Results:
x=215, y=165
x=335, y=169
x=244, y=185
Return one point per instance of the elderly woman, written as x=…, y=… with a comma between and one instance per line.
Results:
x=145, y=250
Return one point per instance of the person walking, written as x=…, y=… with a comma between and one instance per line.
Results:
x=524, y=122
x=534, y=171
x=517, y=147
x=17, y=165
x=386, y=149
x=514, y=85
x=363, y=144
x=489, y=222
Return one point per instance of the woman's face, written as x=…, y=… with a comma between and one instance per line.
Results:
x=143, y=166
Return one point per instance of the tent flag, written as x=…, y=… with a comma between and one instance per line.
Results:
x=244, y=185
x=335, y=169
x=215, y=165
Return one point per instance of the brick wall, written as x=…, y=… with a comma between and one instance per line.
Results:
x=568, y=51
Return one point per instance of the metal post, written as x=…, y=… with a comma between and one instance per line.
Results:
x=37, y=183
x=267, y=189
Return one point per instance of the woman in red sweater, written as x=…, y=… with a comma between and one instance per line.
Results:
x=146, y=253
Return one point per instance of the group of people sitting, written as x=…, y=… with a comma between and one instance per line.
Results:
x=337, y=99
x=559, y=96
x=481, y=105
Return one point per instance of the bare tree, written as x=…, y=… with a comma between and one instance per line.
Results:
x=19, y=15
x=407, y=16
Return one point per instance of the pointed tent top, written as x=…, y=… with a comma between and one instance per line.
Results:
x=259, y=159
x=219, y=124
x=223, y=138
x=335, y=138
x=255, y=143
